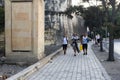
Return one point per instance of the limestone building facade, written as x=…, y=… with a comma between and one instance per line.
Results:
x=24, y=30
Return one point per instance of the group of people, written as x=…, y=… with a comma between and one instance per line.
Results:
x=83, y=41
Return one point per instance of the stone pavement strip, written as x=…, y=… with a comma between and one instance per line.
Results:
x=69, y=67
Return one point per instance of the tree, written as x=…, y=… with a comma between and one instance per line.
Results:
x=111, y=9
x=114, y=6
x=97, y=20
x=93, y=17
x=111, y=18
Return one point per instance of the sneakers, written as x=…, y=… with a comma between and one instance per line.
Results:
x=85, y=53
x=74, y=54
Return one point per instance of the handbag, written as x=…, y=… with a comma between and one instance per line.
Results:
x=81, y=47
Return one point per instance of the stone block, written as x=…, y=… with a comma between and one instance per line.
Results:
x=24, y=30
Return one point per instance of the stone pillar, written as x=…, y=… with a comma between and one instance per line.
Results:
x=24, y=30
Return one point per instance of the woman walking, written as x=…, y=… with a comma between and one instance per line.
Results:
x=65, y=42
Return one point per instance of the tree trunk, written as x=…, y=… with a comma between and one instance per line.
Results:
x=101, y=45
x=111, y=46
x=111, y=38
x=111, y=50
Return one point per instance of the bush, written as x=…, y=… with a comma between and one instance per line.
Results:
x=116, y=33
x=2, y=19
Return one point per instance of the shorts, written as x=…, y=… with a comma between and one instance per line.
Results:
x=98, y=40
x=85, y=46
x=64, y=46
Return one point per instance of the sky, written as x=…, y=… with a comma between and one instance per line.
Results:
x=75, y=2
x=86, y=4
x=92, y=2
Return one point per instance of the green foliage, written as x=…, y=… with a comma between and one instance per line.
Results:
x=115, y=30
x=1, y=19
x=94, y=17
x=74, y=9
x=117, y=21
x=116, y=33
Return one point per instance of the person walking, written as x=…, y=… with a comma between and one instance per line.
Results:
x=98, y=39
x=84, y=42
x=74, y=43
x=65, y=42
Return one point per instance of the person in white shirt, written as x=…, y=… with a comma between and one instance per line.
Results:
x=84, y=43
x=98, y=39
x=65, y=42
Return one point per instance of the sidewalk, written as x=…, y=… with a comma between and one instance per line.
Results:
x=69, y=67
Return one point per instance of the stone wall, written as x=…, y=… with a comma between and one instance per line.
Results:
x=78, y=25
x=56, y=22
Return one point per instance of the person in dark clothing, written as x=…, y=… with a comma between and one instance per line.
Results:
x=74, y=43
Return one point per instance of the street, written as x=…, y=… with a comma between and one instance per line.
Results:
x=117, y=47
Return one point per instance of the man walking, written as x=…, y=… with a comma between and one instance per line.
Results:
x=84, y=42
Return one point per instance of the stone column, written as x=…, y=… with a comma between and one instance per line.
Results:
x=24, y=30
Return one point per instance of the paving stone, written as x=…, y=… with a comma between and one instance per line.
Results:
x=70, y=67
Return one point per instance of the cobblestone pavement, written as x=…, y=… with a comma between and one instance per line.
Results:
x=69, y=67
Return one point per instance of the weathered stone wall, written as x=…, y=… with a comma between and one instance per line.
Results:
x=56, y=25
x=78, y=25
